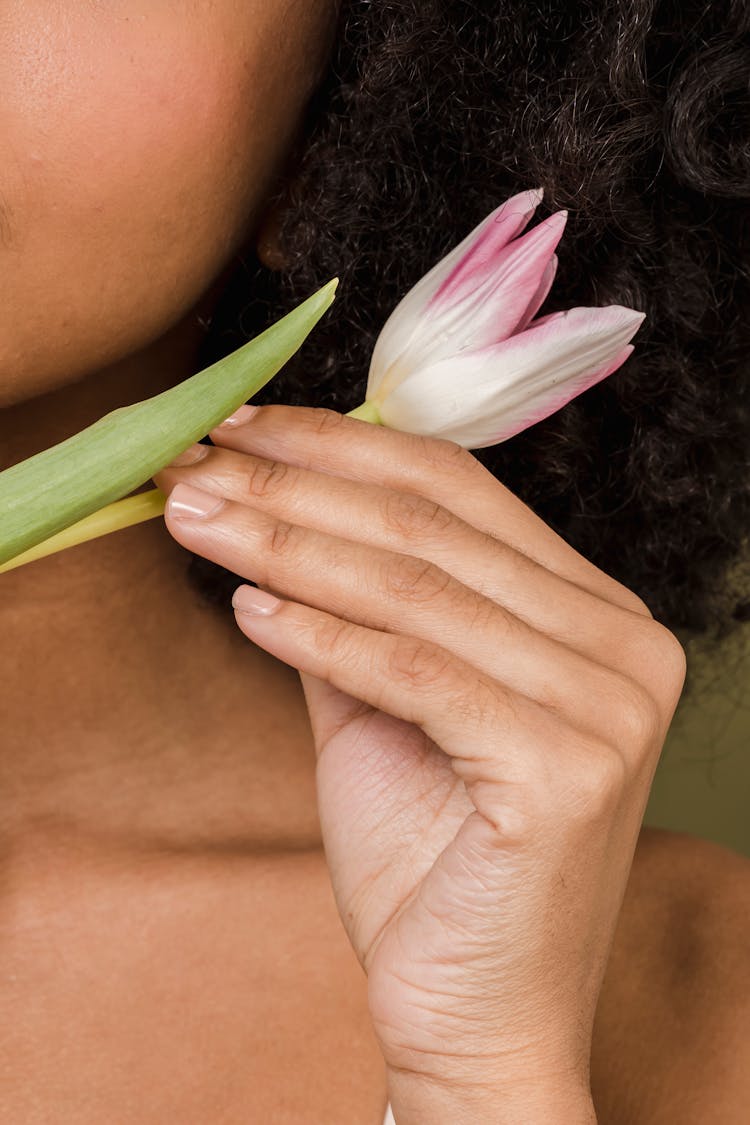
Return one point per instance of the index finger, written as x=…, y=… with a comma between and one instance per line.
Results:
x=326, y=441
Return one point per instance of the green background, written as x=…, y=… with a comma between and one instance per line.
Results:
x=702, y=783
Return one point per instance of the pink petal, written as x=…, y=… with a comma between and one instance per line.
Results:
x=495, y=309
x=548, y=318
x=491, y=312
x=540, y=296
x=575, y=327
x=407, y=328
x=484, y=244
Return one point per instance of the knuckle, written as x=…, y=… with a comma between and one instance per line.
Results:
x=601, y=782
x=416, y=580
x=628, y=599
x=487, y=615
x=636, y=604
x=672, y=657
x=657, y=658
x=283, y=538
x=264, y=478
x=330, y=635
x=445, y=455
x=419, y=663
x=326, y=421
x=640, y=717
x=412, y=515
x=484, y=703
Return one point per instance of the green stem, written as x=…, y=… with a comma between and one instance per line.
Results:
x=123, y=513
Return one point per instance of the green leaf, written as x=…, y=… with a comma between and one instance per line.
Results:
x=61, y=485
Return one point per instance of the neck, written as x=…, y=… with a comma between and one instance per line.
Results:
x=132, y=713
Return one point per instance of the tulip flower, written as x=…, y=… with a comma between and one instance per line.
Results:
x=462, y=357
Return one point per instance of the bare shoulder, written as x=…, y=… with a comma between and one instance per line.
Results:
x=672, y=1031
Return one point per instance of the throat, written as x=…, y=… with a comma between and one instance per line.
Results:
x=142, y=717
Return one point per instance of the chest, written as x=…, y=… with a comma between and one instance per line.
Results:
x=220, y=991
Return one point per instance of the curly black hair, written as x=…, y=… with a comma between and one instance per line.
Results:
x=634, y=115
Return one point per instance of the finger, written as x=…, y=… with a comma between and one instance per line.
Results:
x=401, y=594
x=469, y=716
x=407, y=523
x=521, y=767
x=437, y=469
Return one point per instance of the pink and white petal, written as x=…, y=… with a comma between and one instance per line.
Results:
x=483, y=398
x=477, y=263
x=545, y=405
x=407, y=325
x=579, y=349
x=548, y=318
x=490, y=313
x=493, y=312
x=583, y=328
x=540, y=296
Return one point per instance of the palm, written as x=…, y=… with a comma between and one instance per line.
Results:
x=397, y=830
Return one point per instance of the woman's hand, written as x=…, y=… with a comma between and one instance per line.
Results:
x=488, y=709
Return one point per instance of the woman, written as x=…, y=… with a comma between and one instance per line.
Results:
x=487, y=668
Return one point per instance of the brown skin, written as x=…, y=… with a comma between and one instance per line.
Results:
x=139, y=241
x=165, y=900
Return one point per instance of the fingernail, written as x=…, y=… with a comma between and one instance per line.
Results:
x=248, y=599
x=186, y=502
x=195, y=453
x=241, y=415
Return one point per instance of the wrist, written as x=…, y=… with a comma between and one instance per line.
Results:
x=416, y=1100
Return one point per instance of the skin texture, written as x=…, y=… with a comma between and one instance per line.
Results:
x=162, y=819
x=139, y=142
